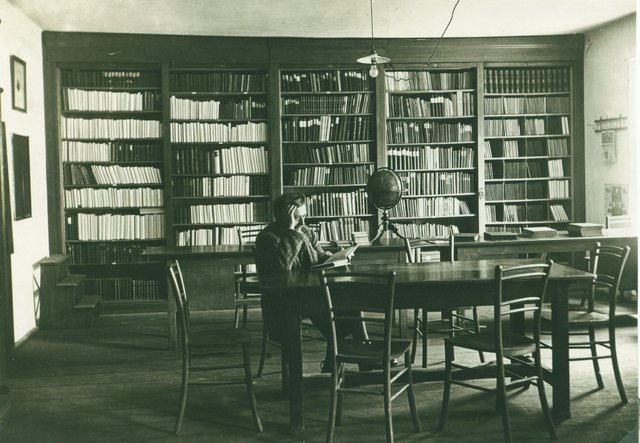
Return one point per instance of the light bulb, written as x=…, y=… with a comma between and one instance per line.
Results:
x=373, y=72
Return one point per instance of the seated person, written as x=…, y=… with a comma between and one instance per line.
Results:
x=287, y=244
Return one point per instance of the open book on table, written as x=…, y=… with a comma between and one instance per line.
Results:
x=337, y=259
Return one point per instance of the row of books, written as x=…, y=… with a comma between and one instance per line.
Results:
x=559, y=189
x=428, y=80
x=113, y=198
x=423, y=230
x=234, y=185
x=526, y=80
x=109, y=101
x=116, y=226
x=113, y=289
x=524, y=213
x=527, y=190
x=558, y=213
x=430, y=157
x=456, y=104
x=535, y=147
x=231, y=160
x=428, y=132
x=253, y=212
x=81, y=78
x=328, y=104
x=110, y=129
x=77, y=174
x=216, y=235
x=217, y=82
x=197, y=132
x=232, y=108
x=326, y=81
x=434, y=183
x=430, y=207
x=532, y=126
x=527, y=105
x=338, y=153
x=114, y=151
x=341, y=229
x=326, y=204
x=329, y=175
x=326, y=128
x=104, y=253
x=555, y=167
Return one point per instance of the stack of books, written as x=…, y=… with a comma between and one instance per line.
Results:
x=360, y=237
x=585, y=229
x=500, y=235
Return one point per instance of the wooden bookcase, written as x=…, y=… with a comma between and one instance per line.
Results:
x=432, y=143
x=219, y=154
x=112, y=163
x=328, y=151
x=242, y=120
x=528, y=147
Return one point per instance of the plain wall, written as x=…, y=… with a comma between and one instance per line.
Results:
x=609, y=91
x=21, y=37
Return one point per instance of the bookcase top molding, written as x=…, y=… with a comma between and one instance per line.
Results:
x=132, y=48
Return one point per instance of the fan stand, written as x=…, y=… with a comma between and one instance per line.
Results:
x=385, y=225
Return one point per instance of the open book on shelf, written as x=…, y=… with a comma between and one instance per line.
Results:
x=339, y=258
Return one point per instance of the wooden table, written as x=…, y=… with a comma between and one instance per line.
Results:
x=438, y=285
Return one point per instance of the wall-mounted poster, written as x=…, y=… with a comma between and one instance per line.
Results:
x=616, y=199
x=18, y=84
x=22, y=176
x=608, y=146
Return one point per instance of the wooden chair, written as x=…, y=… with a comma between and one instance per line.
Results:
x=207, y=343
x=519, y=290
x=373, y=294
x=608, y=264
x=247, y=290
x=452, y=322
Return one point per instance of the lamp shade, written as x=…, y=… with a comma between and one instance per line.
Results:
x=373, y=59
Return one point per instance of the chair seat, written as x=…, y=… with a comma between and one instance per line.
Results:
x=580, y=318
x=219, y=337
x=250, y=284
x=512, y=344
x=369, y=352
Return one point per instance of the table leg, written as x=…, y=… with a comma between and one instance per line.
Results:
x=294, y=358
x=561, y=408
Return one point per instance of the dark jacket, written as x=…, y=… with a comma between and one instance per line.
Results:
x=279, y=248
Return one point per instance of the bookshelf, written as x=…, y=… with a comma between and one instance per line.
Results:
x=113, y=191
x=527, y=147
x=219, y=154
x=328, y=147
x=432, y=143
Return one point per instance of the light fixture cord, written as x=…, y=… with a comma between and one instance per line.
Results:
x=371, y=17
x=426, y=65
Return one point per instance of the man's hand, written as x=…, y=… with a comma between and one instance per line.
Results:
x=293, y=222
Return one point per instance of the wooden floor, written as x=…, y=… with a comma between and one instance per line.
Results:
x=118, y=383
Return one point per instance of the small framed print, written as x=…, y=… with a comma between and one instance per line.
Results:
x=18, y=84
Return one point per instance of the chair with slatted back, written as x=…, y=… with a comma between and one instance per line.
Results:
x=212, y=344
x=519, y=290
x=373, y=294
x=608, y=264
x=451, y=322
x=247, y=290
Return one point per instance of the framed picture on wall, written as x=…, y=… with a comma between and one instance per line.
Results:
x=22, y=176
x=18, y=84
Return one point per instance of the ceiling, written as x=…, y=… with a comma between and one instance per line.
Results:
x=325, y=18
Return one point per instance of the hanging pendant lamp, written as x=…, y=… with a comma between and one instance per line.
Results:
x=373, y=58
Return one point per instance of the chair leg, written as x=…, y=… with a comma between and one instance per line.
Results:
x=183, y=391
x=476, y=328
x=501, y=393
x=543, y=397
x=341, y=384
x=250, y=391
x=616, y=367
x=410, y=394
x=333, y=405
x=594, y=355
x=263, y=350
x=448, y=352
x=236, y=315
x=245, y=312
x=387, y=405
x=416, y=325
x=425, y=337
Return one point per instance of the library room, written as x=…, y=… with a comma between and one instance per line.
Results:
x=318, y=221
